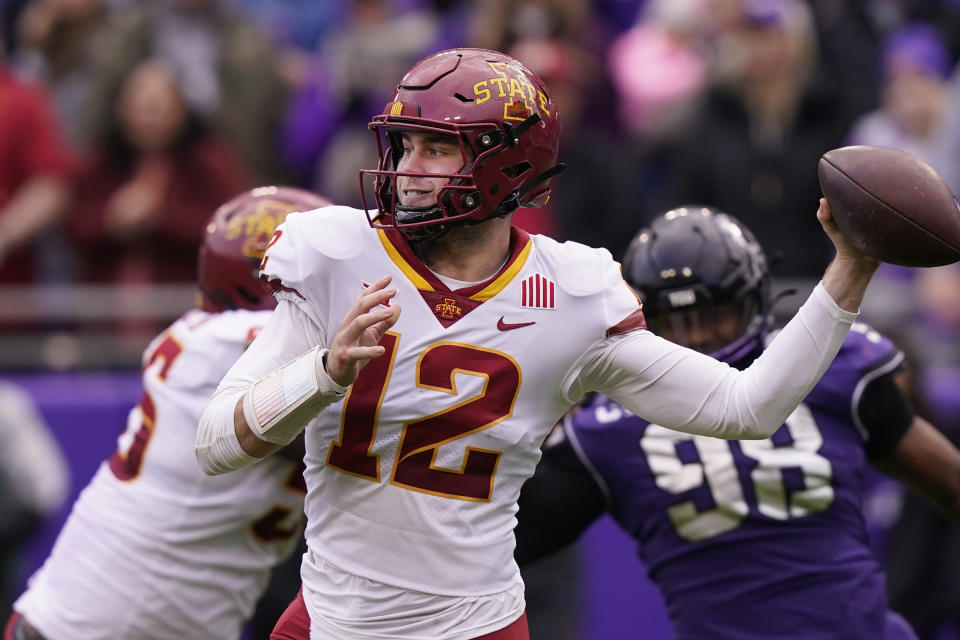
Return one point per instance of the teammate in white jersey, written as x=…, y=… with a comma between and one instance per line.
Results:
x=155, y=549
x=422, y=425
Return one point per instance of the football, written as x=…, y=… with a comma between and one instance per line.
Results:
x=891, y=205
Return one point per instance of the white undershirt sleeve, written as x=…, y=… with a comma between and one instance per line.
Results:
x=289, y=333
x=684, y=390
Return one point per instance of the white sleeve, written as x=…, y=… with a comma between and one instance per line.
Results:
x=684, y=390
x=286, y=335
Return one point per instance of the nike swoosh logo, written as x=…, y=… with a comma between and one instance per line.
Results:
x=507, y=326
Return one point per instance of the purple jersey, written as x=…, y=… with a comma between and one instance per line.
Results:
x=709, y=515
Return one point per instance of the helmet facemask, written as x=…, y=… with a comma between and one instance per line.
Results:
x=456, y=201
x=732, y=332
x=475, y=193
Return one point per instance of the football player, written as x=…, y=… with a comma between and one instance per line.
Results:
x=154, y=548
x=754, y=538
x=422, y=425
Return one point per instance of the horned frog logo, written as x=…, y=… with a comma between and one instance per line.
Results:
x=256, y=229
x=509, y=84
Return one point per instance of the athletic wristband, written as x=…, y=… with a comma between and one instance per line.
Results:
x=217, y=448
x=280, y=404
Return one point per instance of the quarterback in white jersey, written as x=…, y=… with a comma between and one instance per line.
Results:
x=422, y=424
x=153, y=548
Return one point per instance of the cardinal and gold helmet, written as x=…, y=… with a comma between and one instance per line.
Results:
x=507, y=126
x=235, y=240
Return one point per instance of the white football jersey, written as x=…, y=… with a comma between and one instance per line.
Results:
x=155, y=549
x=413, y=477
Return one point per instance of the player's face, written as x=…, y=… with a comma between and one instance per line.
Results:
x=705, y=329
x=425, y=152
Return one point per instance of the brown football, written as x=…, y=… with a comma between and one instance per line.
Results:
x=892, y=205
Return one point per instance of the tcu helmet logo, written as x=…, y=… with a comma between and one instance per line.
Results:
x=520, y=97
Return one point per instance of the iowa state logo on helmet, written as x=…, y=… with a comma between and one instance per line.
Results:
x=511, y=85
x=258, y=228
x=235, y=240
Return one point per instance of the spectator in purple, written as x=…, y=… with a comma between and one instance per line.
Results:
x=915, y=100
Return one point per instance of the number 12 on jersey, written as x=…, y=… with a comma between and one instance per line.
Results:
x=420, y=439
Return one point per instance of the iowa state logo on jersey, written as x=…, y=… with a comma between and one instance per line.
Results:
x=448, y=307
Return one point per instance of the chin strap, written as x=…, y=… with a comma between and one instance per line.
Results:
x=515, y=200
x=509, y=204
x=514, y=132
x=543, y=177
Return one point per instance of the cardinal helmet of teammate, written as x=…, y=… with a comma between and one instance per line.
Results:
x=235, y=240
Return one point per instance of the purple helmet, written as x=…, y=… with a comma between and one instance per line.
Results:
x=699, y=258
x=507, y=126
x=234, y=242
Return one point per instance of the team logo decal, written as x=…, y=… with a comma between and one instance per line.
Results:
x=537, y=292
x=448, y=309
x=510, y=85
x=256, y=228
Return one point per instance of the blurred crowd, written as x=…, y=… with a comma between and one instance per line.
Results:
x=124, y=123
